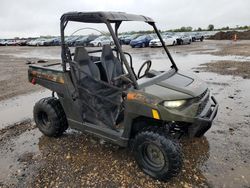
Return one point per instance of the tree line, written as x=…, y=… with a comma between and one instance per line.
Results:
x=210, y=27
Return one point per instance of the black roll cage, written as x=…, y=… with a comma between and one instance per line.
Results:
x=107, y=18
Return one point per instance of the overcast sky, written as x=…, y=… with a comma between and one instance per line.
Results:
x=24, y=18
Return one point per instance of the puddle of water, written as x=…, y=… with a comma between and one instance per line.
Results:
x=184, y=61
x=19, y=108
x=40, y=53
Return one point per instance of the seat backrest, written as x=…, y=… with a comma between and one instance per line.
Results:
x=111, y=65
x=84, y=64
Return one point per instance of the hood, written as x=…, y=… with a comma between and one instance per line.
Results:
x=179, y=86
x=137, y=40
x=155, y=40
x=95, y=41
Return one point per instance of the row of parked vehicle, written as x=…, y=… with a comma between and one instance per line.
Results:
x=152, y=40
x=134, y=40
x=89, y=40
x=31, y=42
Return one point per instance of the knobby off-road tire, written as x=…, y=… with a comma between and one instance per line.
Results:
x=165, y=160
x=50, y=117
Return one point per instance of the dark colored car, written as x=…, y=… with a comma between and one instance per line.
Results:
x=85, y=40
x=122, y=38
x=22, y=42
x=127, y=40
x=71, y=40
x=52, y=42
x=141, y=41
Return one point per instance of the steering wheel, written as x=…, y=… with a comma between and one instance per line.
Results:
x=148, y=63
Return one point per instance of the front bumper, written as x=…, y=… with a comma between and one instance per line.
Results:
x=155, y=44
x=92, y=45
x=137, y=45
x=203, y=122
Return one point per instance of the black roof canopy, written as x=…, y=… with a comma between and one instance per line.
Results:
x=102, y=17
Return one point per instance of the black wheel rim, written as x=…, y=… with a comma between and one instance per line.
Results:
x=153, y=156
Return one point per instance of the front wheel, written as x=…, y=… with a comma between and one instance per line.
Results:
x=157, y=155
x=50, y=117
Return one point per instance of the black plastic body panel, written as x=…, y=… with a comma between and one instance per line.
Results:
x=203, y=123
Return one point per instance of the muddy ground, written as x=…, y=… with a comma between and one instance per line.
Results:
x=220, y=159
x=13, y=72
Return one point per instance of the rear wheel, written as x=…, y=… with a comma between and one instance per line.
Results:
x=158, y=156
x=50, y=117
x=99, y=44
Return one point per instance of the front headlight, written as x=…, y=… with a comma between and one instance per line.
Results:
x=174, y=104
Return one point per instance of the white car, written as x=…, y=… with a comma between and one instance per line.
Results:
x=36, y=42
x=168, y=40
x=100, y=41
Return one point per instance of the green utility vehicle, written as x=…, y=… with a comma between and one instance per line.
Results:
x=102, y=95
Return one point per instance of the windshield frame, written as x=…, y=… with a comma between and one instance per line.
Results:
x=66, y=56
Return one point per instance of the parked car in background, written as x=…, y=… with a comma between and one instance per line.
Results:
x=141, y=41
x=197, y=37
x=168, y=40
x=71, y=40
x=12, y=42
x=127, y=39
x=122, y=37
x=183, y=39
x=102, y=40
x=36, y=42
x=41, y=41
x=85, y=40
x=32, y=42
x=52, y=41
x=3, y=42
x=57, y=41
x=21, y=42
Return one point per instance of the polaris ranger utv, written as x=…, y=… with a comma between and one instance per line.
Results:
x=102, y=95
